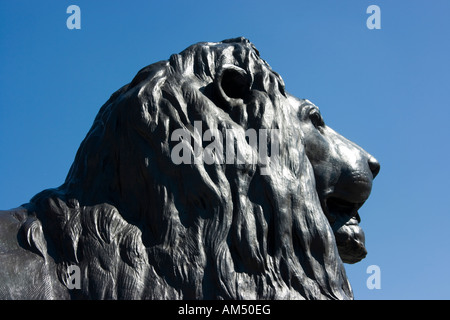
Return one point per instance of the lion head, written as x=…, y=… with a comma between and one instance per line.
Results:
x=141, y=225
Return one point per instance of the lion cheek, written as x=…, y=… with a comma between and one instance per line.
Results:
x=350, y=240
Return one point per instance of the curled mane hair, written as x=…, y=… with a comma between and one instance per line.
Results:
x=141, y=227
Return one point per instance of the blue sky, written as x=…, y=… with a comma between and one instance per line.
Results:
x=387, y=90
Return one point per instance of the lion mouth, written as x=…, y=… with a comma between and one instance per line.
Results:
x=344, y=220
x=338, y=209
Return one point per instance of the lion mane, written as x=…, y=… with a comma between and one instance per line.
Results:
x=141, y=227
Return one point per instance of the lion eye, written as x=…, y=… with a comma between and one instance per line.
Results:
x=316, y=118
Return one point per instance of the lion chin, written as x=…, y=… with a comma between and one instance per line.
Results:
x=350, y=240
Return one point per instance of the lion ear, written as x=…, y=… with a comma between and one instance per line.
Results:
x=232, y=84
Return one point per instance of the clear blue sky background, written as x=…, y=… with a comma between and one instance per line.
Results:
x=388, y=90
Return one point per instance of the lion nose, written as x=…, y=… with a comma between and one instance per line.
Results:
x=374, y=166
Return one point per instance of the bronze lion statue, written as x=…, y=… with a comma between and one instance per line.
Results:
x=141, y=221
